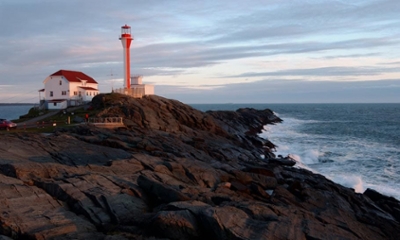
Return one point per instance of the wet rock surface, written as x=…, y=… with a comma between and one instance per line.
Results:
x=175, y=173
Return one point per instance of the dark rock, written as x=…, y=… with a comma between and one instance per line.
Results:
x=282, y=161
x=232, y=223
x=162, y=193
x=175, y=173
x=180, y=224
x=388, y=204
x=237, y=186
x=2, y=237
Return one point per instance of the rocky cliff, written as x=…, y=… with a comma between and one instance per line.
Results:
x=174, y=173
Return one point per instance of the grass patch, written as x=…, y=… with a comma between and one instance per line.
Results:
x=49, y=124
x=39, y=129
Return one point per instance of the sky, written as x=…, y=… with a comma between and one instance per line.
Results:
x=270, y=51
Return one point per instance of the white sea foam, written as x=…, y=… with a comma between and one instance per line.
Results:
x=285, y=136
x=354, y=182
x=352, y=162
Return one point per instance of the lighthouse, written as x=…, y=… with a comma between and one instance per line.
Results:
x=133, y=86
x=126, y=40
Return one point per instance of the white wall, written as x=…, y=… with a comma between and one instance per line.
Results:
x=87, y=95
x=73, y=87
x=148, y=89
x=52, y=84
x=136, y=80
x=58, y=105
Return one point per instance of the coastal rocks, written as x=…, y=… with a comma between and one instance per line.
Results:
x=28, y=212
x=388, y=204
x=282, y=161
x=159, y=192
x=174, y=173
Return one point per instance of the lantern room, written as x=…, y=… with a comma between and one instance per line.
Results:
x=125, y=31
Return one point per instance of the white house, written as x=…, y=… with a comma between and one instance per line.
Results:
x=66, y=88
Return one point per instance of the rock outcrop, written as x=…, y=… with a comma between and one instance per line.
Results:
x=174, y=173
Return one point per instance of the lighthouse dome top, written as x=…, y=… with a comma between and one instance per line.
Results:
x=125, y=31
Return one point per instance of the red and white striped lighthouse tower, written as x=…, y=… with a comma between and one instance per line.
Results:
x=126, y=40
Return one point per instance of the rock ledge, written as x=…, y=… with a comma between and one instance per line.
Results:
x=175, y=173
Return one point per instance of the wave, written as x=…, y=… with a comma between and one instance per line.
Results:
x=350, y=161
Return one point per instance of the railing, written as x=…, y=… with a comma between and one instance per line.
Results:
x=113, y=120
x=108, y=122
x=133, y=92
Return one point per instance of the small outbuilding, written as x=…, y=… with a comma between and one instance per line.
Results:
x=137, y=88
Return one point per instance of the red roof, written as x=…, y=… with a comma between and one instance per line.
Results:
x=74, y=76
x=89, y=88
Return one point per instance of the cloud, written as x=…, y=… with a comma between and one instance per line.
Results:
x=323, y=71
x=201, y=41
x=359, y=55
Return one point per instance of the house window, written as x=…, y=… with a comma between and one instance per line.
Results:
x=60, y=82
x=55, y=104
x=75, y=93
x=63, y=92
x=51, y=93
x=80, y=93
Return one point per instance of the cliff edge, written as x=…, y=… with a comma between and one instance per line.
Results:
x=174, y=172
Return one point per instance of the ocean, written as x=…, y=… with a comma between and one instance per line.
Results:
x=355, y=145
x=13, y=111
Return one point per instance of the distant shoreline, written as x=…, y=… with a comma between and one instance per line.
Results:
x=16, y=104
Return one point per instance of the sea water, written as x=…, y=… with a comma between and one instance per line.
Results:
x=13, y=111
x=356, y=145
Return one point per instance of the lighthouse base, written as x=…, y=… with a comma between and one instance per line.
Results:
x=137, y=90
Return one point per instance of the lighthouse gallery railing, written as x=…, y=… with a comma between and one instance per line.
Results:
x=133, y=92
